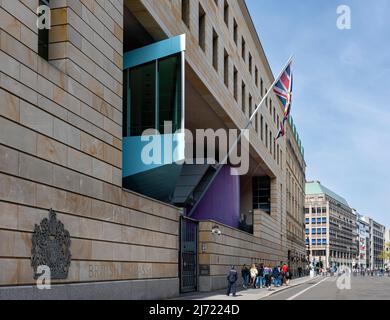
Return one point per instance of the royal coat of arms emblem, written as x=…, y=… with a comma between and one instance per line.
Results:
x=51, y=247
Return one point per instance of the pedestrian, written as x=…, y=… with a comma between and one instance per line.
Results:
x=245, y=276
x=232, y=278
x=284, y=273
x=253, y=274
x=260, y=283
x=275, y=276
x=300, y=272
x=268, y=277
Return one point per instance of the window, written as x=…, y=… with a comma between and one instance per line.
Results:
x=235, y=87
x=324, y=210
x=307, y=241
x=226, y=13
x=169, y=99
x=215, y=50
x=256, y=76
x=250, y=106
x=262, y=87
x=154, y=93
x=318, y=210
x=243, y=98
x=314, y=231
x=307, y=220
x=319, y=220
x=313, y=242
x=202, y=28
x=226, y=69
x=266, y=135
x=277, y=155
x=323, y=230
x=243, y=48
x=262, y=128
x=274, y=151
x=313, y=210
x=307, y=231
x=274, y=115
x=142, y=98
x=324, y=220
x=261, y=187
x=250, y=63
x=319, y=242
x=324, y=242
x=43, y=35
x=313, y=220
x=235, y=31
x=185, y=12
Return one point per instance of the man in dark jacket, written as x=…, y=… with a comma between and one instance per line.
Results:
x=232, y=279
x=245, y=276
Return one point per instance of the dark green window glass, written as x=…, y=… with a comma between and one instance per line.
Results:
x=169, y=103
x=142, y=97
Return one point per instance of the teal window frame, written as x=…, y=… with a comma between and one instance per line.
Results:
x=154, y=53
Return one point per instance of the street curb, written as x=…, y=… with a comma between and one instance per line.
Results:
x=288, y=287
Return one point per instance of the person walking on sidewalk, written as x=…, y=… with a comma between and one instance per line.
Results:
x=232, y=278
x=253, y=273
x=285, y=274
x=245, y=276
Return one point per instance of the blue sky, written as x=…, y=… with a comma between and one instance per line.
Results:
x=341, y=102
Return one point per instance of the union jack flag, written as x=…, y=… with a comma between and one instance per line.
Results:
x=282, y=130
x=283, y=90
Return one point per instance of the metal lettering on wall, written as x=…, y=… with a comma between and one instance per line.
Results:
x=51, y=247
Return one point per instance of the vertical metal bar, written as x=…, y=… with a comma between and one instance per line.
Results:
x=183, y=96
x=157, y=106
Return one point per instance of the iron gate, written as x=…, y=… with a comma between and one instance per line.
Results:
x=188, y=255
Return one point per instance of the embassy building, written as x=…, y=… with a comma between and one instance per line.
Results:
x=77, y=199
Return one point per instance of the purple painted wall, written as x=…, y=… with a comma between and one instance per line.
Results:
x=222, y=202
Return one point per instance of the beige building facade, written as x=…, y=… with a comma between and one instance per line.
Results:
x=295, y=199
x=63, y=146
x=330, y=228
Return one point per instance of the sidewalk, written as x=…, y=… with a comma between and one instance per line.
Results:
x=249, y=294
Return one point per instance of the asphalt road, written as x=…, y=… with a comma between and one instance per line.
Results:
x=333, y=288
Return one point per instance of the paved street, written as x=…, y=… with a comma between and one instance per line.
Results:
x=368, y=288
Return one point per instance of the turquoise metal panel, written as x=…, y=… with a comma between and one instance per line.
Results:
x=154, y=51
x=165, y=149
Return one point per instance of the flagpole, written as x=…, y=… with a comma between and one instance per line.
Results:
x=221, y=164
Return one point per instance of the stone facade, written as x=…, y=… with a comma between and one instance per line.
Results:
x=331, y=227
x=295, y=199
x=60, y=148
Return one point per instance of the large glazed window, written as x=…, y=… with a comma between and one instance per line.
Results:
x=261, y=187
x=169, y=74
x=154, y=95
x=142, y=95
